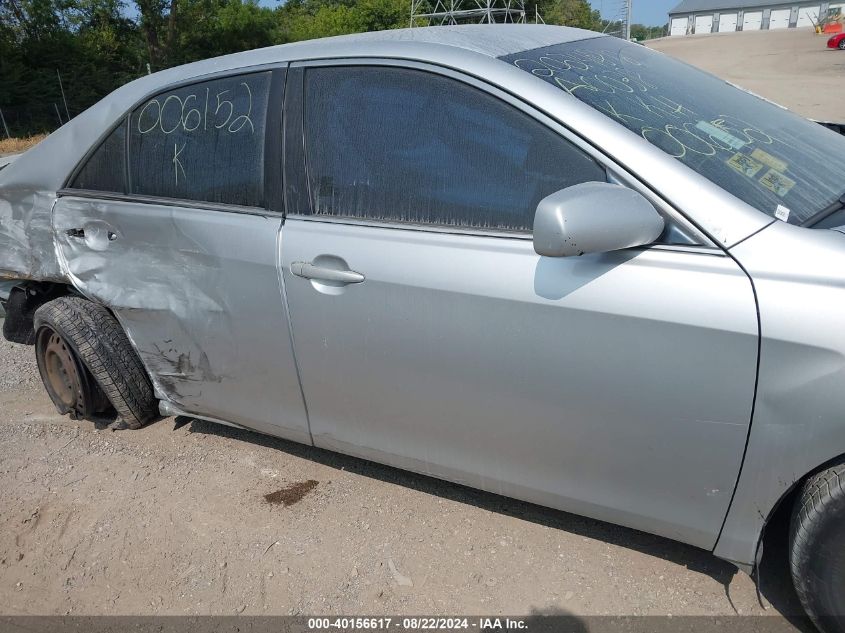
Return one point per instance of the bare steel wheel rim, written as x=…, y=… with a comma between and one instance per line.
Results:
x=60, y=369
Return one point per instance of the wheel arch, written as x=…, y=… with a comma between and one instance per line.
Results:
x=20, y=299
x=778, y=519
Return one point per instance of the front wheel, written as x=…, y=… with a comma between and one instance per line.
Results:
x=817, y=548
x=842, y=44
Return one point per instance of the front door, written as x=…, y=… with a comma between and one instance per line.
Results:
x=185, y=254
x=431, y=336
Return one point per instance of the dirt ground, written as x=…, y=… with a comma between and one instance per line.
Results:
x=791, y=67
x=188, y=517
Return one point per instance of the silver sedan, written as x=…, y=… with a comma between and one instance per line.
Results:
x=534, y=260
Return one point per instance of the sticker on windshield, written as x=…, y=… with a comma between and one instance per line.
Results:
x=777, y=182
x=782, y=213
x=745, y=165
x=769, y=160
x=721, y=135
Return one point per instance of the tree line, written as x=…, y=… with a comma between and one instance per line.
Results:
x=57, y=57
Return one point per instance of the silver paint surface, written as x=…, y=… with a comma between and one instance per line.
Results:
x=618, y=386
x=28, y=184
x=594, y=217
x=198, y=294
x=799, y=417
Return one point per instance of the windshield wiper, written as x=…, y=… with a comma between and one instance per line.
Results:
x=829, y=210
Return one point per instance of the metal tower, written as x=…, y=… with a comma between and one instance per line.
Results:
x=619, y=21
x=439, y=12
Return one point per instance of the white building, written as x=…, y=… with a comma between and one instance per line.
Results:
x=719, y=16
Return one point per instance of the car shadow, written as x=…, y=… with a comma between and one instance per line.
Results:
x=775, y=587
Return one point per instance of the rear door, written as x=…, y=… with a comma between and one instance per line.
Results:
x=431, y=336
x=180, y=241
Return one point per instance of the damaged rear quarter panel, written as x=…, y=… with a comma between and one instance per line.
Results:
x=26, y=237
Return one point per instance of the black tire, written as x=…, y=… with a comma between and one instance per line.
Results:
x=99, y=341
x=842, y=45
x=817, y=548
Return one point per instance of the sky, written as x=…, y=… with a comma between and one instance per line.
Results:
x=648, y=12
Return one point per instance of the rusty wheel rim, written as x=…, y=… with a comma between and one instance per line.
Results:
x=61, y=371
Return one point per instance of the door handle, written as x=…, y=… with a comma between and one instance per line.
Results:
x=79, y=234
x=321, y=273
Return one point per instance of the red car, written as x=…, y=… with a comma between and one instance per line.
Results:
x=837, y=41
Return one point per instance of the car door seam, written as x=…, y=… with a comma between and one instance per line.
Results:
x=284, y=297
x=753, y=401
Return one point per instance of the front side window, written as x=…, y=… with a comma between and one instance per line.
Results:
x=202, y=142
x=766, y=156
x=401, y=145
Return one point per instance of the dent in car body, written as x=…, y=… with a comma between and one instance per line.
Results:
x=180, y=297
x=198, y=293
x=26, y=237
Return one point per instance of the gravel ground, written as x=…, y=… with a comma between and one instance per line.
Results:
x=175, y=519
x=17, y=367
x=187, y=517
x=792, y=67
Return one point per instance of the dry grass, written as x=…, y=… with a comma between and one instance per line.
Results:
x=18, y=145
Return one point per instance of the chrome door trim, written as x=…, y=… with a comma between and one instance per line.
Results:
x=165, y=202
x=703, y=249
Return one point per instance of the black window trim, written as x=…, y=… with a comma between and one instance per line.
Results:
x=273, y=186
x=615, y=172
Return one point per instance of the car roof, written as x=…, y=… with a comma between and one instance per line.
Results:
x=493, y=40
x=489, y=40
x=473, y=47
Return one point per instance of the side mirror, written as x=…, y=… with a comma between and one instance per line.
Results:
x=594, y=217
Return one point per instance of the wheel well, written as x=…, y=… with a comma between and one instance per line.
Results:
x=20, y=306
x=774, y=537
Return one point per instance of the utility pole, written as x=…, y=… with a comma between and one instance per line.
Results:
x=627, y=33
x=5, y=127
x=62, y=88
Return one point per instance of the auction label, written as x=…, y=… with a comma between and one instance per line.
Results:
x=420, y=623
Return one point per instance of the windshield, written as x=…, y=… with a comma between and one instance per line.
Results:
x=776, y=161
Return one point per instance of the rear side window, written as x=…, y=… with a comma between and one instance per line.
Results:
x=202, y=142
x=105, y=169
x=402, y=145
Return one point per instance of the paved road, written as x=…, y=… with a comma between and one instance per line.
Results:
x=791, y=67
x=173, y=519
